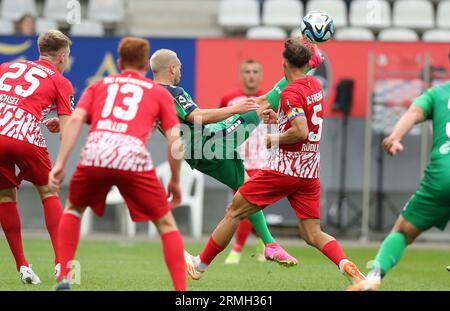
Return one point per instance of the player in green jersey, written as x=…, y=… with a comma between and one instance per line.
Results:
x=212, y=136
x=430, y=205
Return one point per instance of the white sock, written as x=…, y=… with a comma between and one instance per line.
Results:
x=199, y=264
x=342, y=263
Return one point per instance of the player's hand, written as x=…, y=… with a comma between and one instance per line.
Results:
x=246, y=105
x=56, y=177
x=392, y=146
x=316, y=58
x=52, y=125
x=174, y=192
x=269, y=116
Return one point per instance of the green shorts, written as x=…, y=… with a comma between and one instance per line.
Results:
x=428, y=208
x=219, y=157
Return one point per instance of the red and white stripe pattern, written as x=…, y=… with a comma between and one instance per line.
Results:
x=296, y=164
x=116, y=151
x=19, y=124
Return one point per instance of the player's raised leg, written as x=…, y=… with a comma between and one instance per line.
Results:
x=389, y=254
x=313, y=235
x=173, y=248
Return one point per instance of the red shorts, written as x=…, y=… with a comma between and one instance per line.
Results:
x=143, y=193
x=268, y=187
x=33, y=162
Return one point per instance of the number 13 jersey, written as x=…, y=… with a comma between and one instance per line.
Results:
x=123, y=109
x=301, y=98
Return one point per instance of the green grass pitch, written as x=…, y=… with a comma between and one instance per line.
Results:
x=129, y=265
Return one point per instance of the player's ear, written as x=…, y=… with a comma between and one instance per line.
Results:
x=119, y=64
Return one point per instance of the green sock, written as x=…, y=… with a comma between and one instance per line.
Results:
x=259, y=223
x=390, y=252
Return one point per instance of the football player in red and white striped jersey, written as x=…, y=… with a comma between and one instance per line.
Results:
x=293, y=171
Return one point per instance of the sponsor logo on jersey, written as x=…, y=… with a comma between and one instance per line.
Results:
x=72, y=102
x=184, y=103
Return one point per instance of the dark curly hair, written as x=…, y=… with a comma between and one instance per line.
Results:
x=296, y=53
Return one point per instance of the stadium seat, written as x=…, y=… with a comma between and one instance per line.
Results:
x=238, y=15
x=415, y=14
x=6, y=27
x=43, y=25
x=398, y=34
x=336, y=8
x=443, y=14
x=282, y=13
x=107, y=11
x=114, y=198
x=56, y=10
x=266, y=32
x=87, y=29
x=15, y=9
x=192, y=188
x=436, y=35
x=375, y=14
x=354, y=34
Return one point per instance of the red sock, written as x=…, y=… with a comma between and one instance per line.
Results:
x=334, y=252
x=211, y=250
x=173, y=248
x=52, y=212
x=243, y=230
x=10, y=220
x=68, y=236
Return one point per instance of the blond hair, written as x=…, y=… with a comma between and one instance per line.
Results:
x=52, y=42
x=161, y=59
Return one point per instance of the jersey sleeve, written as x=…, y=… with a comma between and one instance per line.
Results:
x=167, y=114
x=292, y=105
x=65, y=101
x=273, y=96
x=425, y=101
x=184, y=104
x=86, y=101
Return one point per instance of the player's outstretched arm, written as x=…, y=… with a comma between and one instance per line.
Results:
x=413, y=115
x=70, y=133
x=175, y=153
x=207, y=116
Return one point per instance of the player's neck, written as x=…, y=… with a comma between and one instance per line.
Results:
x=50, y=61
x=162, y=80
x=292, y=76
x=140, y=72
x=250, y=91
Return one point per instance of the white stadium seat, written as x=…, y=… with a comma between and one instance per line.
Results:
x=436, y=35
x=192, y=188
x=443, y=14
x=335, y=8
x=266, y=32
x=6, y=27
x=354, y=34
x=15, y=9
x=238, y=15
x=282, y=13
x=114, y=198
x=56, y=10
x=416, y=14
x=43, y=25
x=398, y=34
x=109, y=11
x=374, y=14
x=88, y=29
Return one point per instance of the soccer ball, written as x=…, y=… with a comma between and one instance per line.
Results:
x=317, y=26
